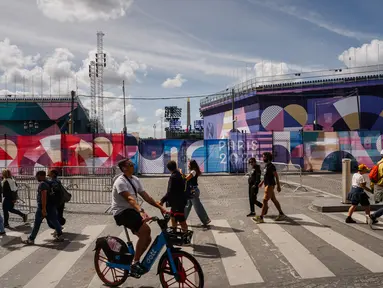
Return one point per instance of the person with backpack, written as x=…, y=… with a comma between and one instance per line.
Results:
x=46, y=208
x=60, y=198
x=176, y=197
x=357, y=195
x=9, y=190
x=254, y=180
x=376, y=178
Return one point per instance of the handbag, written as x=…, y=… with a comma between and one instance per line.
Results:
x=66, y=196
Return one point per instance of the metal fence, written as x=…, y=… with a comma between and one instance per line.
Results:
x=87, y=185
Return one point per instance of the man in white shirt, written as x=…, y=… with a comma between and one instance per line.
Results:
x=128, y=212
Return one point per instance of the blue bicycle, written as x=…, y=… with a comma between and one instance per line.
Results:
x=117, y=256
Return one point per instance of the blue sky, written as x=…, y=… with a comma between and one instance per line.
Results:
x=210, y=43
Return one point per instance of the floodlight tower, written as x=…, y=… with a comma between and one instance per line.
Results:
x=100, y=64
x=93, y=111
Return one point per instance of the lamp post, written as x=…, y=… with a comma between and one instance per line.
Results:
x=31, y=126
x=154, y=130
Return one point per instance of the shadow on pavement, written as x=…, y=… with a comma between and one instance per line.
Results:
x=221, y=229
x=69, y=238
x=210, y=250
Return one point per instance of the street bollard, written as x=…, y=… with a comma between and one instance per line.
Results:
x=346, y=179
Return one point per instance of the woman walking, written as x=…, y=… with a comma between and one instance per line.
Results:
x=2, y=231
x=195, y=201
x=9, y=188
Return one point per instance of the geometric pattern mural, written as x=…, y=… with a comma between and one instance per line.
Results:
x=331, y=113
x=311, y=150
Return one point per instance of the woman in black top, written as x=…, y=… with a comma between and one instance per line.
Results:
x=9, y=189
x=195, y=201
x=270, y=180
x=254, y=180
x=176, y=197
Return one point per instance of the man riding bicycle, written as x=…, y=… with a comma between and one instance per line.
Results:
x=127, y=211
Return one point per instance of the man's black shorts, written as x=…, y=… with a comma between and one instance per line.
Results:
x=129, y=218
x=178, y=213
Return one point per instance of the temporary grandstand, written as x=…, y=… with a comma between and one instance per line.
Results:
x=335, y=100
x=26, y=115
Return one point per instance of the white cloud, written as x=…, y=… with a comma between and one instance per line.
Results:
x=160, y=112
x=367, y=55
x=12, y=57
x=28, y=75
x=83, y=10
x=175, y=82
x=57, y=73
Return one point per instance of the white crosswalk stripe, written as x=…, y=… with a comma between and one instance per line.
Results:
x=306, y=265
x=56, y=269
x=235, y=256
x=239, y=268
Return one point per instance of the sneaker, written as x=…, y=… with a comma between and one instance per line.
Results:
x=280, y=217
x=258, y=219
x=349, y=220
x=58, y=238
x=371, y=221
x=3, y=233
x=54, y=233
x=28, y=242
x=250, y=214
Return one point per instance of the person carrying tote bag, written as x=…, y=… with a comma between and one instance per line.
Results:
x=9, y=188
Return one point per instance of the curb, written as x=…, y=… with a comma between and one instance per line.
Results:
x=341, y=208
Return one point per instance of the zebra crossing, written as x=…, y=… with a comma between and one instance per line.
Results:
x=304, y=247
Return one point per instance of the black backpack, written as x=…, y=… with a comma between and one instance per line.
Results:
x=54, y=194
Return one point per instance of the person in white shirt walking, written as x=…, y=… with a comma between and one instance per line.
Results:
x=357, y=195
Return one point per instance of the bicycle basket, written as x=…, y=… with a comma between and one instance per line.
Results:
x=177, y=237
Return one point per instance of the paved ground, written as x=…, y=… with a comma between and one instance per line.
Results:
x=309, y=249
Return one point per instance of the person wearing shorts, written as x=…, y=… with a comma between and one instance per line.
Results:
x=357, y=195
x=270, y=180
x=176, y=197
x=128, y=212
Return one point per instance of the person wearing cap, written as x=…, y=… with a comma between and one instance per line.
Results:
x=357, y=195
x=378, y=192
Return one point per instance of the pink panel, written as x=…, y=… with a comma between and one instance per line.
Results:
x=52, y=130
x=277, y=123
x=56, y=110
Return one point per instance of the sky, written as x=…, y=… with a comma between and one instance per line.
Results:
x=177, y=48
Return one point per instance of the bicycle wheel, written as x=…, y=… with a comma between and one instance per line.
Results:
x=191, y=274
x=118, y=276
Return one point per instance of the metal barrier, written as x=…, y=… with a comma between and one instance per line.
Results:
x=290, y=175
x=88, y=185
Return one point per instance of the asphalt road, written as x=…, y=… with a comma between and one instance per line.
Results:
x=308, y=249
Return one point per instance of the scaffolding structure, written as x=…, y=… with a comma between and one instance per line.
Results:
x=93, y=110
x=100, y=64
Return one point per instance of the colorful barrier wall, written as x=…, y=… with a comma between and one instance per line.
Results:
x=277, y=114
x=310, y=150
